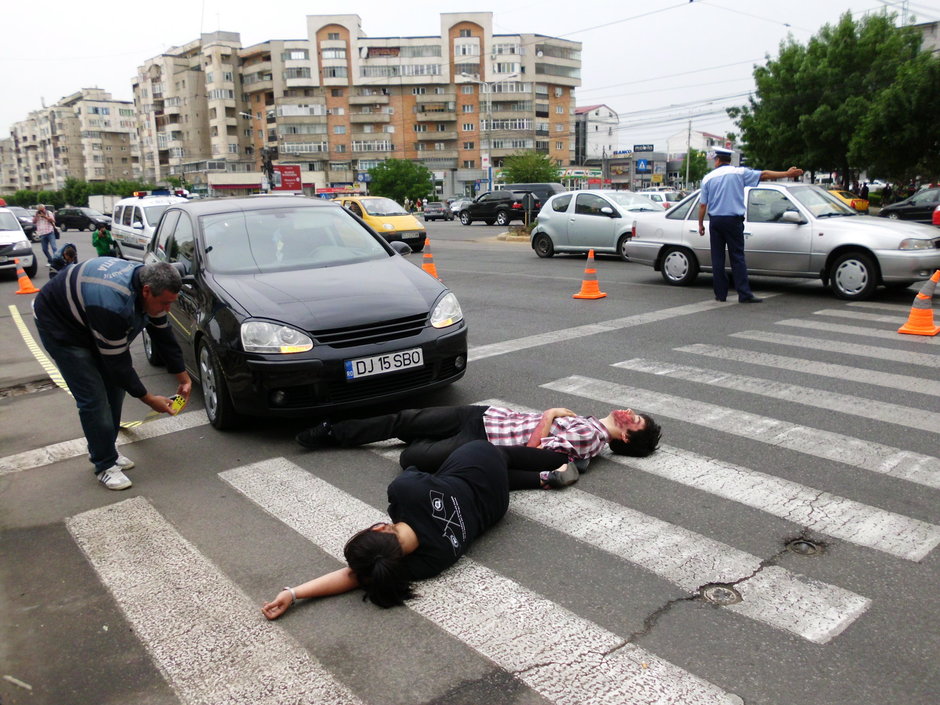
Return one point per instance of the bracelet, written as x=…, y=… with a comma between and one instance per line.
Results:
x=293, y=595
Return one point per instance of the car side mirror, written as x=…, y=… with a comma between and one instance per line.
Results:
x=610, y=212
x=401, y=248
x=137, y=225
x=792, y=217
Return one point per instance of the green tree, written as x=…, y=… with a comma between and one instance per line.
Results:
x=528, y=168
x=399, y=179
x=697, y=163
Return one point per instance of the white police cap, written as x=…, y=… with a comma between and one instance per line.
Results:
x=718, y=151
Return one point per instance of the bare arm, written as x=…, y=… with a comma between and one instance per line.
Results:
x=702, y=210
x=545, y=425
x=335, y=583
x=791, y=173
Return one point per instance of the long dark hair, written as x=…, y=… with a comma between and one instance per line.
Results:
x=377, y=560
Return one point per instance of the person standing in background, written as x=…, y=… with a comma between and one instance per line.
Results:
x=45, y=229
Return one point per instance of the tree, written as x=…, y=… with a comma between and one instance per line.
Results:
x=697, y=166
x=399, y=179
x=528, y=168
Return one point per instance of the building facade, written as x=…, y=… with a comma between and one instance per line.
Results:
x=596, y=133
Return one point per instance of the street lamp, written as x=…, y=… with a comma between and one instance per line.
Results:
x=485, y=157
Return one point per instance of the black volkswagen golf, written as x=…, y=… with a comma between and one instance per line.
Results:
x=291, y=305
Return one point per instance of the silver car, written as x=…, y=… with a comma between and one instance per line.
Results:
x=578, y=221
x=794, y=230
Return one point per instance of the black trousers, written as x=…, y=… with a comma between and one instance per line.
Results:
x=728, y=231
x=432, y=434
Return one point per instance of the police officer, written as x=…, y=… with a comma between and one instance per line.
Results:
x=722, y=197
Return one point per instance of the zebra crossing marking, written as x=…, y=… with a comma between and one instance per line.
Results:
x=829, y=328
x=872, y=351
x=565, y=658
x=208, y=638
x=860, y=316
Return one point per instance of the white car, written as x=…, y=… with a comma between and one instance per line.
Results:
x=15, y=245
x=134, y=221
x=794, y=230
x=667, y=199
x=578, y=221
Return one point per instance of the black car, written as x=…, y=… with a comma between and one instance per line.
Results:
x=500, y=207
x=80, y=218
x=291, y=305
x=26, y=221
x=918, y=207
x=435, y=210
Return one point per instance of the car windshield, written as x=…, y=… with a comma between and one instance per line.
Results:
x=8, y=221
x=821, y=203
x=21, y=212
x=382, y=206
x=91, y=211
x=633, y=201
x=154, y=213
x=273, y=240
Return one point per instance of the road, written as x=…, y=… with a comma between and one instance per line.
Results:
x=804, y=419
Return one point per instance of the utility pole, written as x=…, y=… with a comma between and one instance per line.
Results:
x=688, y=153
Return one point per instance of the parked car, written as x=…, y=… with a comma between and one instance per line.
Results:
x=851, y=200
x=26, y=221
x=293, y=305
x=387, y=218
x=500, y=207
x=80, y=218
x=919, y=207
x=542, y=191
x=135, y=220
x=435, y=210
x=793, y=230
x=666, y=199
x=936, y=216
x=578, y=221
x=459, y=203
x=15, y=245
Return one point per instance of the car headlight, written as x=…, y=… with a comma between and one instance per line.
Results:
x=21, y=244
x=447, y=312
x=912, y=243
x=264, y=337
x=388, y=226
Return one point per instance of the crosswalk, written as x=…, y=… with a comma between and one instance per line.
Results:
x=214, y=646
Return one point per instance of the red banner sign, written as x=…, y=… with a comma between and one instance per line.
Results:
x=287, y=178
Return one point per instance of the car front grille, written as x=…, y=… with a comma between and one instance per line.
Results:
x=380, y=332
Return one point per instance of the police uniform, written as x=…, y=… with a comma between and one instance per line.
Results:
x=723, y=194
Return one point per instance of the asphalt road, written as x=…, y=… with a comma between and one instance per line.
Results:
x=803, y=418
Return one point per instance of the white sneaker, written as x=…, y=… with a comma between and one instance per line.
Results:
x=114, y=479
x=124, y=462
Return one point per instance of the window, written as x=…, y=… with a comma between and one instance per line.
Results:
x=467, y=49
x=468, y=127
x=336, y=92
x=441, y=127
x=418, y=90
x=299, y=72
x=339, y=129
x=559, y=145
x=440, y=146
x=559, y=127
x=228, y=76
x=469, y=164
x=465, y=33
x=335, y=72
x=233, y=148
x=332, y=54
x=589, y=204
x=467, y=89
x=560, y=204
x=332, y=36
x=766, y=205
x=560, y=109
x=469, y=145
x=340, y=148
x=468, y=108
x=421, y=128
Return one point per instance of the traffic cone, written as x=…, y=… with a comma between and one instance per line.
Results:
x=589, y=287
x=26, y=286
x=920, y=322
x=428, y=264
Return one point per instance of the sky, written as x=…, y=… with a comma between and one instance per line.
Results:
x=657, y=63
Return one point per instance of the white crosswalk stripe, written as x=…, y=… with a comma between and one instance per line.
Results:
x=897, y=319
x=873, y=351
x=565, y=658
x=885, y=412
x=208, y=638
x=867, y=455
x=828, y=328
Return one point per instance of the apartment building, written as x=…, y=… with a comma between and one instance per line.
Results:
x=596, y=133
x=86, y=135
x=9, y=176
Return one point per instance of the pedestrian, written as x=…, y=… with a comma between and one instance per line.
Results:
x=86, y=319
x=407, y=205
x=46, y=230
x=435, y=517
x=432, y=434
x=66, y=255
x=886, y=195
x=864, y=192
x=722, y=197
x=103, y=241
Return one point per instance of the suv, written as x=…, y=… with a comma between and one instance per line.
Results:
x=500, y=207
x=542, y=191
x=80, y=218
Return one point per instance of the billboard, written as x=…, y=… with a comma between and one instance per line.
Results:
x=287, y=178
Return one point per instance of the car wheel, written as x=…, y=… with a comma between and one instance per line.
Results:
x=502, y=218
x=622, y=247
x=465, y=218
x=853, y=276
x=219, y=407
x=90, y=227
x=33, y=268
x=153, y=357
x=543, y=246
x=418, y=247
x=679, y=268
x=893, y=216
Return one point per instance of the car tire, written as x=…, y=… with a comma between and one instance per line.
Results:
x=33, y=268
x=215, y=395
x=153, y=357
x=417, y=248
x=90, y=227
x=543, y=246
x=465, y=218
x=622, y=247
x=853, y=276
x=679, y=266
x=502, y=218
x=893, y=216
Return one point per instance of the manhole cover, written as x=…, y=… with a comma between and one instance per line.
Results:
x=720, y=594
x=804, y=547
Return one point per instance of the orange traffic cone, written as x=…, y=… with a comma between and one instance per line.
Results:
x=26, y=286
x=589, y=287
x=428, y=264
x=920, y=322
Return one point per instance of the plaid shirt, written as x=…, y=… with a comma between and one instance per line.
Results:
x=576, y=436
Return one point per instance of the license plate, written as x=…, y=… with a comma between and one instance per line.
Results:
x=380, y=364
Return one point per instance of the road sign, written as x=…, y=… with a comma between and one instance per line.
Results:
x=363, y=176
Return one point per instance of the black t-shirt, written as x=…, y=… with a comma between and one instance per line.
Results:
x=450, y=509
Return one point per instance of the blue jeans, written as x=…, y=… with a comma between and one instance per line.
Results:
x=99, y=400
x=728, y=231
x=48, y=245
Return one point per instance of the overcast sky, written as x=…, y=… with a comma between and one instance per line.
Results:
x=658, y=63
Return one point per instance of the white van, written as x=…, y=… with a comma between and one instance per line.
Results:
x=15, y=245
x=134, y=221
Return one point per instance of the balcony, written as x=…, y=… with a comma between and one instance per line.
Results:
x=436, y=136
x=368, y=100
x=370, y=117
x=436, y=116
x=436, y=98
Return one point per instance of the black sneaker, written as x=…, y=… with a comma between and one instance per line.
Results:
x=319, y=436
x=562, y=478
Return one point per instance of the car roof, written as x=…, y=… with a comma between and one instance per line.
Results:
x=209, y=206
